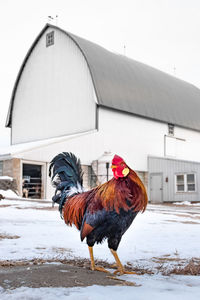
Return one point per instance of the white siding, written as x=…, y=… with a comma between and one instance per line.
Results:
x=135, y=138
x=55, y=95
x=188, y=147
x=131, y=137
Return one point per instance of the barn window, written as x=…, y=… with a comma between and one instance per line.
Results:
x=170, y=129
x=50, y=39
x=185, y=183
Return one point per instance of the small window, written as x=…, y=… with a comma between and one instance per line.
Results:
x=171, y=129
x=190, y=182
x=1, y=168
x=180, y=183
x=50, y=39
x=185, y=183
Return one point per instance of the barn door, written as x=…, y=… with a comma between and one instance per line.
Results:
x=32, y=180
x=156, y=188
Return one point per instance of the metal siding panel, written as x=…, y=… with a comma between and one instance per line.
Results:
x=169, y=168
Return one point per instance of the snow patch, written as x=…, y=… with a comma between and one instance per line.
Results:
x=6, y=178
x=9, y=194
x=186, y=203
x=156, y=288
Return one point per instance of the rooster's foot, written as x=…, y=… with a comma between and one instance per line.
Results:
x=122, y=272
x=101, y=269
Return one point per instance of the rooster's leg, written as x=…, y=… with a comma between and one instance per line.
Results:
x=119, y=264
x=93, y=267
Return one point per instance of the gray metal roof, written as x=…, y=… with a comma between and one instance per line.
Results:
x=130, y=86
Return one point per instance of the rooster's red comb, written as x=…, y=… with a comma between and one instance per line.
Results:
x=117, y=159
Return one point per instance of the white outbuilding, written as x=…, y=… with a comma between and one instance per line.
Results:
x=73, y=95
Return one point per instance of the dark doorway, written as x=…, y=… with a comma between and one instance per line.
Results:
x=32, y=181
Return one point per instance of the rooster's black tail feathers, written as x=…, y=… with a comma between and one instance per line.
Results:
x=66, y=176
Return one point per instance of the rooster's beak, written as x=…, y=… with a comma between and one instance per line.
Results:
x=113, y=166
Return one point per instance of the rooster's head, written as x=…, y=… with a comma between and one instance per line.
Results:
x=119, y=167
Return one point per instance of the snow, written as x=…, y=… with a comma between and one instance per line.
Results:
x=6, y=178
x=186, y=203
x=152, y=288
x=162, y=231
x=152, y=234
x=9, y=194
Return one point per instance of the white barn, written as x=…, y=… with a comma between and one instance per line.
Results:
x=73, y=95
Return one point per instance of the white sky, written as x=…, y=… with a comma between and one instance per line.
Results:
x=160, y=33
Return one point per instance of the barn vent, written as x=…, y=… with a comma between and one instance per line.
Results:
x=171, y=129
x=50, y=39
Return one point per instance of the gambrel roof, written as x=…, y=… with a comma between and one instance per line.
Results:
x=124, y=84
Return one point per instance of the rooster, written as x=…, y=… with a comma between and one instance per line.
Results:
x=104, y=212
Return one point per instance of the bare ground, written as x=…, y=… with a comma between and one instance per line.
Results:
x=70, y=273
x=54, y=273
x=8, y=236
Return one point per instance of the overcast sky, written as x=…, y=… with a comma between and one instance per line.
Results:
x=162, y=33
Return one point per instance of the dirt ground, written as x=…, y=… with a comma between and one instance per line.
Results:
x=54, y=275
x=70, y=273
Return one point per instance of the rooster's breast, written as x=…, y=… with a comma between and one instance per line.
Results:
x=108, y=224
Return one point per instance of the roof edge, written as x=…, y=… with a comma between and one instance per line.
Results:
x=33, y=145
x=173, y=159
